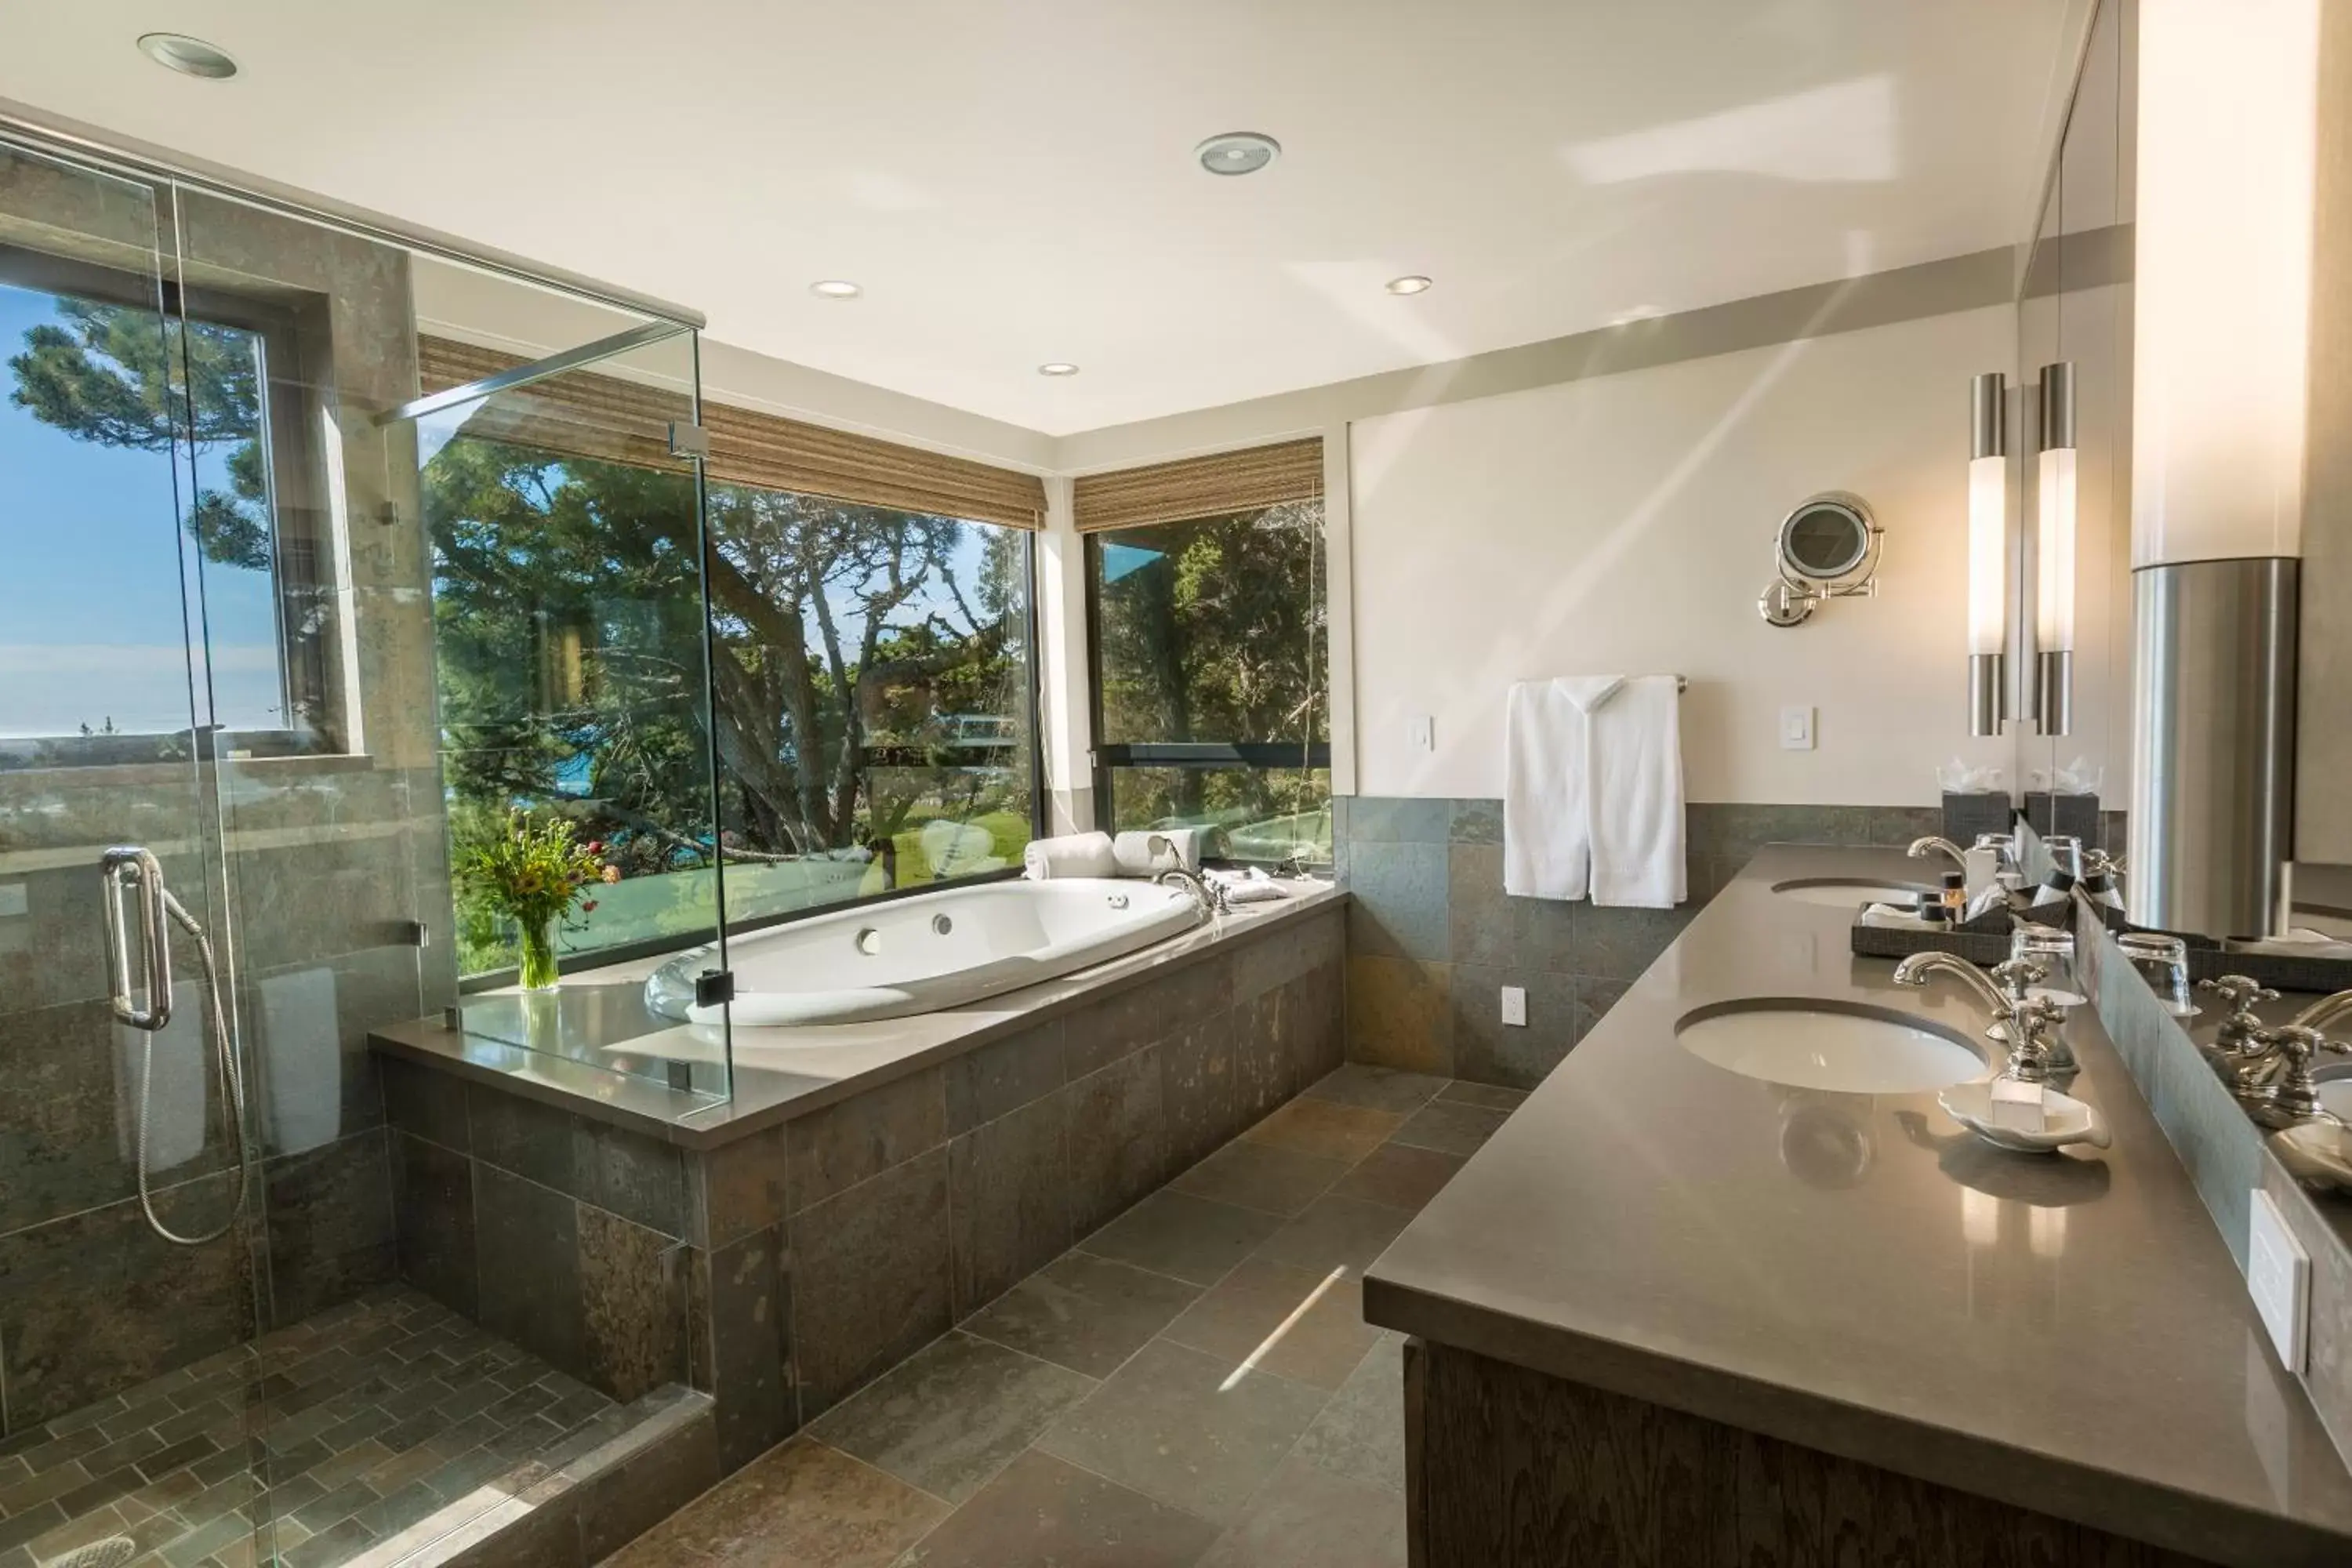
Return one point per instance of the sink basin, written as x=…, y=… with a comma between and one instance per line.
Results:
x=1811, y=1044
x=1846, y=893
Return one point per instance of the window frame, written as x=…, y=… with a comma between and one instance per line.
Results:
x=295, y=476
x=1106, y=758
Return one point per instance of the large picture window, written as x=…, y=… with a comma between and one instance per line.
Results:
x=1208, y=639
x=863, y=676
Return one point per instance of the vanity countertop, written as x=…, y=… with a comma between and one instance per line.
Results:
x=2065, y=1333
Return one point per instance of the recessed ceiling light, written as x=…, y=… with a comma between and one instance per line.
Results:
x=189, y=56
x=1237, y=153
x=1058, y=367
x=835, y=289
x=1413, y=283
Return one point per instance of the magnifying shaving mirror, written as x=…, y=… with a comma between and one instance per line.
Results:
x=1826, y=548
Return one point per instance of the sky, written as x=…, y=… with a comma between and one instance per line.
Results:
x=91, y=625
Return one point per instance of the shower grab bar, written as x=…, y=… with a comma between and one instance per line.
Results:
x=136, y=865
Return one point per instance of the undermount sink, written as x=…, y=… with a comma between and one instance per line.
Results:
x=1846, y=892
x=1807, y=1043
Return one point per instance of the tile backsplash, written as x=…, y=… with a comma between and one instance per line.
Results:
x=1432, y=939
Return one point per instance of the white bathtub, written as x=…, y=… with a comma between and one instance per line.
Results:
x=921, y=954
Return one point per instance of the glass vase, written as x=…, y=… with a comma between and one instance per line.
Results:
x=539, y=972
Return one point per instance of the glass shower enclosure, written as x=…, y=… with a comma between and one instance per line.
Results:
x=234, y=480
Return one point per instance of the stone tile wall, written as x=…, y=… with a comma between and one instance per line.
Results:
x=784, y=1270
x=1432, y=939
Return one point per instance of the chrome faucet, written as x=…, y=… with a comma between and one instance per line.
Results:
x=2036, y=1052
x=1923, y=847
x=2284, y=1093
x=2239, y=1053
x=2322, y=1013
x=1209, y=896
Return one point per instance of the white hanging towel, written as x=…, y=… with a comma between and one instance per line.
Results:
x=1592, y=790
x=1635, y=798
x=1547, y=824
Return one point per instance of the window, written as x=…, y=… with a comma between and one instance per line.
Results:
x=126, y=406
x=864, y=674
x=875, y=696
x=1208, y=643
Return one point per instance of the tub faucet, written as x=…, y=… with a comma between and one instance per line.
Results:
x=2036, y=1053
x=1209, y=896
x=1923, y=847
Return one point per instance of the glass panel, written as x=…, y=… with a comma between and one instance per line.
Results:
x=112, y=522
x=1209, y=653
x=874, y=697
x=569, y=636
x=1262, y=816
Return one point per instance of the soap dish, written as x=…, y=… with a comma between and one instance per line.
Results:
x=2064, y=1119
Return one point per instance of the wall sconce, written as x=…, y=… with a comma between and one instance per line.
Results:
x=1988, y=552
x=2054, y=524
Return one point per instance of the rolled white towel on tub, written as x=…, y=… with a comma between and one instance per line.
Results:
x=1071, y=854
x=1189, y=843
x=1143, y=853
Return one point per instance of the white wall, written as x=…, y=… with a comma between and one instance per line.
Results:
x=1624, y=524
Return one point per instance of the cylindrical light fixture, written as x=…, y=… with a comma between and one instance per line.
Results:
x=1988, y=551
x=2054, y=528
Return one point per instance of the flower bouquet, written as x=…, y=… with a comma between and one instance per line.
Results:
x=534, y=874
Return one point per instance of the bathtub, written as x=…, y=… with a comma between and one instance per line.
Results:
x=921, y=954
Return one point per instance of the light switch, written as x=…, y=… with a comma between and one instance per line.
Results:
x=1421, y=730
x=1515, y=1005
x=2278, y=1276
x=1796, y=728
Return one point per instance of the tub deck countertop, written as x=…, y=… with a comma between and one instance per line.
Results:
x=592, y=1047
x=1861, y=1276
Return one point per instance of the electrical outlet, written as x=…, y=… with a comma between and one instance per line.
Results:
x=2278, y=1276
x=1420, y=731
x=1796, y=728
x=1515, y=1006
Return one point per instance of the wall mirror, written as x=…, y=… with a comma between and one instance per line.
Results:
x=1827, y=547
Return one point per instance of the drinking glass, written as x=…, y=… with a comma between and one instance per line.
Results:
x=2163, y=962
x=2053, y=948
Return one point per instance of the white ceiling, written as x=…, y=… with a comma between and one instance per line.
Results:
x=1012, y=182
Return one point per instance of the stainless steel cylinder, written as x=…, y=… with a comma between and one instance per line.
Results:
x=1987, y=424
x=2053, y=692
x=2057, y=414
x=1987, y=704
x=2212, y=802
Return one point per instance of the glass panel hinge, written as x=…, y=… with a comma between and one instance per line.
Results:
x=688, y=441
x=714, y=987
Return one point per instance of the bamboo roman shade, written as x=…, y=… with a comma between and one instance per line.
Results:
x=1212, y=486
x=604, y=416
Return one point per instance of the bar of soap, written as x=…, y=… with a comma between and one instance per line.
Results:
x=2017, y=1107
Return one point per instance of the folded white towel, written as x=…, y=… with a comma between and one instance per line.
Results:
x=1250, y=886
x=1139, y=854
x=1892, y=917
x=1189, y=844
x=1071, y=854
x=1635, y=755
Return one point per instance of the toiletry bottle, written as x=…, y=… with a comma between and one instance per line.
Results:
x=2056, y=889
x=1934, y=912
x=1956, y=894
x=2099, y=881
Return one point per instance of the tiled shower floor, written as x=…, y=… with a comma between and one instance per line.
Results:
x=342, y=1431
x=1191, y=1387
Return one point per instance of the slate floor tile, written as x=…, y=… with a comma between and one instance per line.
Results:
x=1042, y=1510
x=1262, y=1176
x=1306, y=1327
x=1186, y=1428
x=1336, y=1232
x=803, y=1502
x=951, y=1417
x=1328, y=1128
x=1186, y=1237
x=1084, y=1312
x=1451, y=1127
x=1376, y=1088
x=1400, y=1175
x=1308, y=1517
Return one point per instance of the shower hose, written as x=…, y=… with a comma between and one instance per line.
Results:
x=232, y=1075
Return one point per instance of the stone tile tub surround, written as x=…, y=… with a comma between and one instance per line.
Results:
x=1963, y=1316
x=1432, y=939
x=781, y=1262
